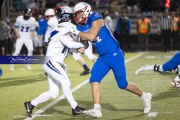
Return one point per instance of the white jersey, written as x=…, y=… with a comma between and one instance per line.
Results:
x=52, y=23
x=25, y=26
x=60, y=42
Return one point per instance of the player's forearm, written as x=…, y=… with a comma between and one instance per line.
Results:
x=16, y=32
x=87, y=36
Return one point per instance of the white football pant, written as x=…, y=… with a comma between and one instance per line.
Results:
x=57, y=79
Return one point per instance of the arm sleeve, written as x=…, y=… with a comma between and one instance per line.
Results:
x=68, y=41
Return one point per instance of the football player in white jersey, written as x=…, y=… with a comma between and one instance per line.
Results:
x=24, y=30
x=59, y=43
x=52, y=23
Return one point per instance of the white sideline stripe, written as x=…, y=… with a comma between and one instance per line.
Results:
x=152, y=114
x=72, y=90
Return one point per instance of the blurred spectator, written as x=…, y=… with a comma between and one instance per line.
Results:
x=174, y=5
x=108, y=21
x=96, y=2
x=51, y=3
x=144, y=5
x=33, y=6
x=16, y=3
x=41, y=8
x=164, y=29
x=143, y=29
x=160, y=5
x=9, y=42
x=123, y=28
x=21, y=4
x=152, y=8
x=101, y=3
x=132, y=6
x=175, y=30
x=115, y=19
x=4, y=28
x=41, y=4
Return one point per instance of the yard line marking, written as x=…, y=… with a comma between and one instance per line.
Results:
x=152, y=114
x=20, y=116
x=72, y=90
x=130, y=59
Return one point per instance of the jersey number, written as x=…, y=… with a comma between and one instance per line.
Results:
x=24, y=29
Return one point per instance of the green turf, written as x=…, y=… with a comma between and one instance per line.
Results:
x=23, y=85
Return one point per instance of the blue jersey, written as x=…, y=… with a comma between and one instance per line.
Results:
x=110, y=54
x=42, y=28
x=105, y=43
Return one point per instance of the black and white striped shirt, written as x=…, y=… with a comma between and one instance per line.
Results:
x=165, y=23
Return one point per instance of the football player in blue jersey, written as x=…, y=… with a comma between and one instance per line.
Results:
x=91, y=27
x=171, y=65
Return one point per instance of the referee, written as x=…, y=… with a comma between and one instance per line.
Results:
x=164, y=29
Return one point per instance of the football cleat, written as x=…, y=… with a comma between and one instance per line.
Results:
x=85, y=72
x=11, y=67
x=176, y=82
x=173, y=83
x=45, y=74
x=29, y=107
x=78, y=110
x=28, y=67
x=93, y=113
x=138, y=71
x=147, y=102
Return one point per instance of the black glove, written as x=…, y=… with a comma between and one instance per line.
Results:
x=85, y=43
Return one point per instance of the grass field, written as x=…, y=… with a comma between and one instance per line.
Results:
x=24, y=85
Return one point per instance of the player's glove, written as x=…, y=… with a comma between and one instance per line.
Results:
x=72, y=29
x=85, y=43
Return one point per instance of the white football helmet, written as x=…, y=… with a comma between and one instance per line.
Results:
x=49, y=12
x=67, y=9
x=82, y=7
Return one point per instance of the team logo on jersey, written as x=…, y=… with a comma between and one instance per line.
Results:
x=114, y=54
x=98, y=39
